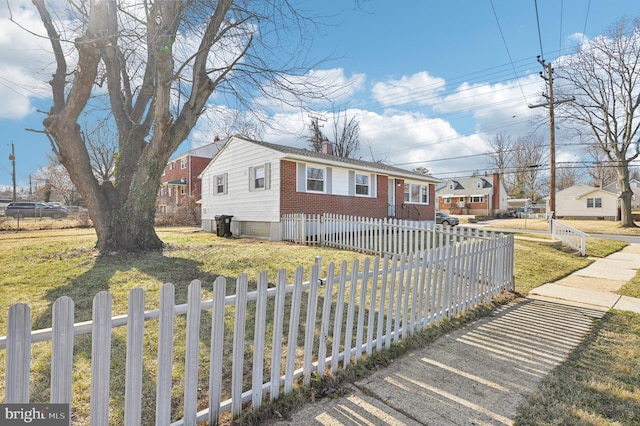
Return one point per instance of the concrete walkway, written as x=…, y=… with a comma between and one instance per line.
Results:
x=480, y=374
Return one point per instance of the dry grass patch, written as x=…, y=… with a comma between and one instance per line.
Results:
x=598, y=385
x=588, y=226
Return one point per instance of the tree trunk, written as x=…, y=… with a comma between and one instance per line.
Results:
x=626, y=194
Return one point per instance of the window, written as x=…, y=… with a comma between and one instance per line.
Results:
x=414, y=193
x=258, y=177
x=446, y=200
x=315, y=179
x=183, y=190
x=172, y=165
x=479, y=184
x=594, y=203
x=476, y=199
x=220, y=184
x=451, y=185
x=362, y=184
x=183, y=163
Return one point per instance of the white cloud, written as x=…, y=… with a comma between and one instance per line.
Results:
x=420, y=88
x=25, y=60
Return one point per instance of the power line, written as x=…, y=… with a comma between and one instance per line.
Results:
x=539, y=32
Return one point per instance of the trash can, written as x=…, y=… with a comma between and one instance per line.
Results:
x=223, y=225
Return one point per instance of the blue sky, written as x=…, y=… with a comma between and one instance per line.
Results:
x=430, y=81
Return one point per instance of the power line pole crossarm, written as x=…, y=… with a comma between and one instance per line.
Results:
x=551, y=102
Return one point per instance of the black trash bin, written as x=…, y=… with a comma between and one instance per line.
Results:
x=223, y=225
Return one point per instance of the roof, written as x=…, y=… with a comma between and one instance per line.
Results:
x=307, y=155
x=579, y=191
x=466, y=187
x=176, y=182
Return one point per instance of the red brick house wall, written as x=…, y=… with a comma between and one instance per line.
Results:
x=195, y=166
x=292, y=201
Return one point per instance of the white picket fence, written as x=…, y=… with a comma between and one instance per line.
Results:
x=375, y=236
x=347, y=314
x=570, y=236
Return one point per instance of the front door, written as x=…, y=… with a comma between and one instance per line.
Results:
x=392, y=197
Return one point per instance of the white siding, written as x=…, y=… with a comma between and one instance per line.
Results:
x=235, y=160
x=572, y=204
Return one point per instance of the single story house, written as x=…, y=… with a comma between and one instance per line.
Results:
x=480, y=196
x=586, y=202
x=258, y=182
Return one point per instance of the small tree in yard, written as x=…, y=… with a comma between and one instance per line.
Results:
x=604, y=77
x=155, y=64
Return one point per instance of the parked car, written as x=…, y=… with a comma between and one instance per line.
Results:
x=31, y=209
x=444, y=219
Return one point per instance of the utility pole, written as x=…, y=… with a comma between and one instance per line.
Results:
x=12, y=158
x=552, y=130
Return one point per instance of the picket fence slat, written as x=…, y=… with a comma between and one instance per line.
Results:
x=165, y=355
x=18, y=354
x=258, y=340
x=133, y=367
x=237, y=367
x=192, y=352
x=101, y=358
x=62, y=351
x=367, y=306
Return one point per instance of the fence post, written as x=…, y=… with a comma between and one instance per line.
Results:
x=194, y=296
x=217, y=346
x=165, y=355
x=237, y=366
x=133, y=366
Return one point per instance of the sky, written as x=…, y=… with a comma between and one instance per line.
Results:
x=430, y=82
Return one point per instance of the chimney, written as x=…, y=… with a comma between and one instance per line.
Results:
x=327, y=147
x=216, y=139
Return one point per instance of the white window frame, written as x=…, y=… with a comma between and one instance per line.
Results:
x=183, y=163
x=183, y=190
x=594, y=203
x=219, y=184
x=259, y=179
x=446, y=200
x=365, y=185
x=476, y=199
x=415, y=193
x=322, y=179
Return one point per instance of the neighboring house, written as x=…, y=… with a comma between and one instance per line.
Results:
x=586, y=202
x=635, y=188
x=259, y=182
x=179, y=184
x=480, y=196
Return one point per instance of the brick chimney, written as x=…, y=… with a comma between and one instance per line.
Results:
x=327, y=147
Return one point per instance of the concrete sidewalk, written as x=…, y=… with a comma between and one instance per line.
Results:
x=480, y=374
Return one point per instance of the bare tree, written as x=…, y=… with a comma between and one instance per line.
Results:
x=599, y=167
x=345, y=137
x=567, y=176
x=501, y=158
x=156, y=64
x=603, y=77
x=55, y=179
x=422, y=171
x=102, y=146
x=528, y=156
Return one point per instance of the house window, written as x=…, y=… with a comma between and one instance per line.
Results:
x=183, y=190
x=451, y=185
x=362, y=184
x=476, y=199
x=446, y=200
x=414, y=193
x=219, y=184
x=479, y=184
x=258, y=178
x=183, y=163
x=594, y=203
x=315, y=179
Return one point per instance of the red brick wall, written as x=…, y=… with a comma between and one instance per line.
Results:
x=198, y=164
x=292, y=201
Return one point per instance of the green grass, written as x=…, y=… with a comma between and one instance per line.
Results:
x=44, y=265
x=598, y=385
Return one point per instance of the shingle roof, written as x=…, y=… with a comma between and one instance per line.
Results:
x=466, y=186
x=327, y=158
